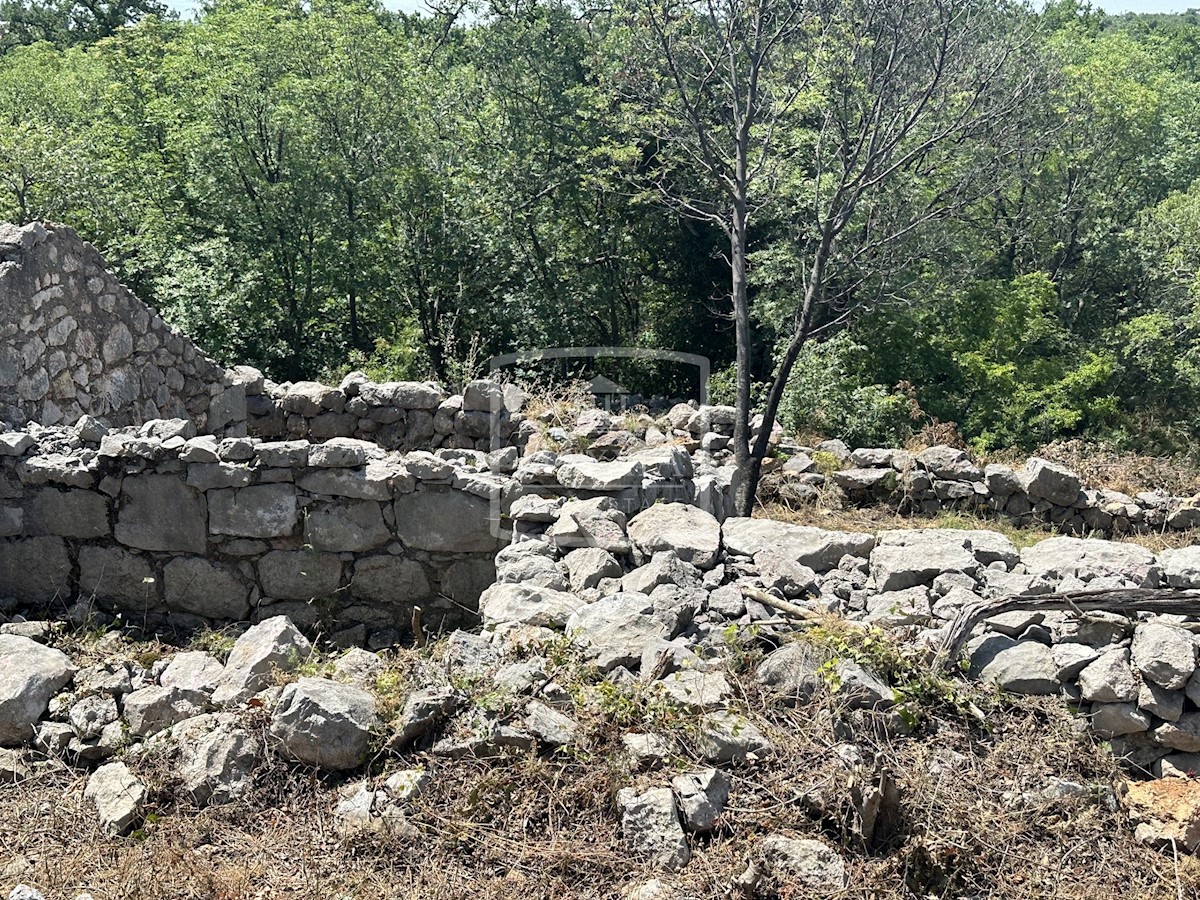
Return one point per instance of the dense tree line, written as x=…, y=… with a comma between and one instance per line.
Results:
x=315, y=187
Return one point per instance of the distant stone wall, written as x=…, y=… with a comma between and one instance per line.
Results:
x=398, y=415
x=173, y=529
x=75, y=342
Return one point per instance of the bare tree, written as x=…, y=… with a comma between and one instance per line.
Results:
x=811, y=110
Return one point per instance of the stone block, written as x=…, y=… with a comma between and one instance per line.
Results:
x=346, y=525
x=35, y=570
x=118, y=576
x=388, y=579
x=204, y=588
x=299, y=575
x=77, y=514
x=160, y=512
x=263, y=511
x=446, y=522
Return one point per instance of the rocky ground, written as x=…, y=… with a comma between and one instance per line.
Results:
x=677, y=709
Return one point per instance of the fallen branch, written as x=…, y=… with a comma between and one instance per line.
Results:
x=775, y=603
x=1124, y=601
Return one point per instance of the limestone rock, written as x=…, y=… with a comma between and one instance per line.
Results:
x=325, y=723
x=693, y=534
x=545, y=607
x=726, y=737
x=549, y=725
x=1019, y=667
x=160, y=512
x=1044, y=480
x=816, y=548
x=154, y=708
x=804, y=862
x=30, y=674
x=600, y=476
x=792, y=672
x=650, y=826
x=1109, y=679
x=273, y=644
x=193, y=670
x=702, y=798
x=587, y=566
x=614, y=630
x=1163, y=654
x=118, y=796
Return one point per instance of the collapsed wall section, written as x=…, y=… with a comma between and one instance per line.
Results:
x=74, y=342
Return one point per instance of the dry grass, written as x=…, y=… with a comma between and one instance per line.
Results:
x=524, y=825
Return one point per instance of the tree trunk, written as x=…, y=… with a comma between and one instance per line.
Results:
x=748, y=468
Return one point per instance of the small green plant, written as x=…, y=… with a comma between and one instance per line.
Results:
x=216, y=642
x=826, y=462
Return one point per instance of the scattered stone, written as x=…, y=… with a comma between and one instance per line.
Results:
x=807, y=863
x=1163, y=654
x=272, y=645
x=549, y=725
x=30, y=674
x=691, y=533
x=118, y=796
x=793, y=672
x=325, y=723
x=651, y=827
x=726, y=737
x=702, y=798
x=1109, y=679
x=154, y=708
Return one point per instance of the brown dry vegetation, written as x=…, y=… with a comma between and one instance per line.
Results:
x=524, y=825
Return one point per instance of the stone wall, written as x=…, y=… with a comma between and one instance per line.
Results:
x=75, y=342
x=398, y=415
x=170, y=528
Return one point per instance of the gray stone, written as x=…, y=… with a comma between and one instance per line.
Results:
x=345, y=525
x=423, y=710
x=299, y=574
x=1183, y=735
x=1020, y=667
x=1063, y=557
x=549, y=725
x=118, y=796
x=589, y=565
x=1044, y=480
x=374, y=482
x=903, y=559
x=204, y=588
x=664, y=568
x=389, y=579
x=283, y=454
x=1109, y=679
x=30, y=674
x=696, y=690
x=263, y=511
x=725, y=737
x=1071, y=659
x=1163, y=654
x=1167, y=705
x=119, y=576
x=1181, y=567
x=341, y=452
x=192, y=670
x=324, y=723
x=504, y=603
x=600, y=476
x=949, y=463
x=805, y=863
x=860, y=687
x=702, y=798
x=71, y=513
x=89, y=716
x=650, y=826
x=272, y=645
x=35, y=570
x=445, y=521
x=466, y=580
x=615, y=630
x=1115, y=719
x=693, y=534
x=154, y=708
x=159, y=512
x=816, y=548
x=793, y=672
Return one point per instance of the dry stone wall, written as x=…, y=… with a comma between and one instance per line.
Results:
x=75, y=342
x=172, y=528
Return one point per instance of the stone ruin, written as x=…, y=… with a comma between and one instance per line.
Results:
x=74, y=342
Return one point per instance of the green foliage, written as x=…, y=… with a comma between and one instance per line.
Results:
x=830, y=394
